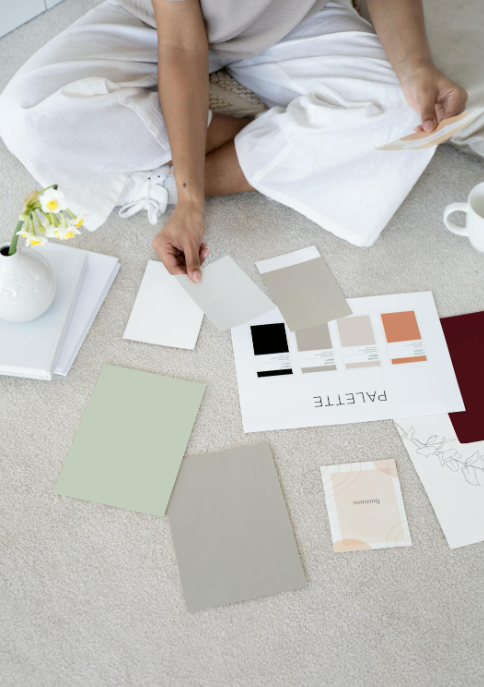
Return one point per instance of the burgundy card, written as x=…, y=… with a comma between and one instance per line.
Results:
x=465, y=339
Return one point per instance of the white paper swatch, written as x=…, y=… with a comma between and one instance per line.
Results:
x=163, y=313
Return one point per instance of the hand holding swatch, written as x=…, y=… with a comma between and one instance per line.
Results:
x=226, y=294
x=442, y=133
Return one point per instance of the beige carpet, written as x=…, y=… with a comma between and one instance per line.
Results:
x=90, y=596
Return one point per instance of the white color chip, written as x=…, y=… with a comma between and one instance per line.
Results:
x=288, y=260
x=163, y=313
x=226, y=294
x=360, y=394
x=451, y=473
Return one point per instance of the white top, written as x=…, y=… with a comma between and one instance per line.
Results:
x=239, y=29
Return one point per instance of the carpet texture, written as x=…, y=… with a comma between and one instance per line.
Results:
x=90, y=596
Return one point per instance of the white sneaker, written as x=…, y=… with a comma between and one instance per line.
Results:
x=151, y=191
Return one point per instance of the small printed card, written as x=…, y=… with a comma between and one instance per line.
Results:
x=365, y=506
x=442, y=133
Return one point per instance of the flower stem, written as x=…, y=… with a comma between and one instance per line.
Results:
x=40, y=226
x=36, y=195
x=13, y=244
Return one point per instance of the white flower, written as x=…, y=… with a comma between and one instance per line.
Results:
x=64, y=233
x=77, y=221
x=50, y=231
x=52, y=200
x=32, y=239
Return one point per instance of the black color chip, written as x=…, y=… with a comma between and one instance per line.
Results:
x=269, y=338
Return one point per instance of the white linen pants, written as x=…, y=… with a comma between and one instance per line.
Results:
x=84, y=113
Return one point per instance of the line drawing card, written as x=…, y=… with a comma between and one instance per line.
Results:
x=227, y=296
x=452, y=474
x=303, y=288
x=128, y=448
x=365, y=506
x=232, y=535
x=366, y=385
x=163, y=313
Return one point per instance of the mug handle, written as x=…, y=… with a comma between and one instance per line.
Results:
x=455, y=207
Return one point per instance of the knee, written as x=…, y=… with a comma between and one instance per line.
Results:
x=18, y=127
x=11, y=116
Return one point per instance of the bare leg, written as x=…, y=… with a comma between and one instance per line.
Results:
x=223, y=174
x=223, y=128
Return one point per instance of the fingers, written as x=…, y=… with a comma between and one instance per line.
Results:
x=427, y=111
x=451, y=105
x=172, y=264
x=203, y=252
x=181, y=260
x=192, y=261
x=455, y=102
x=168, y=256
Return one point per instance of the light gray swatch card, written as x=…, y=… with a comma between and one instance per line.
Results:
x=232, y=535
x=303, y=288
x=226, y=294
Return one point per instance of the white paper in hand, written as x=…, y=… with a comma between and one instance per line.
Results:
x=226, y=294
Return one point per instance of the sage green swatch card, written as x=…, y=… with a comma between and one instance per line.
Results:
x=129, y=446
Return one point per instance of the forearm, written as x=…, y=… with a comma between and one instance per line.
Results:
x=183, y=89
x=401, y=29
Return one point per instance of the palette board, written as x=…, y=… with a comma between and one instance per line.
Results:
x=389, y=358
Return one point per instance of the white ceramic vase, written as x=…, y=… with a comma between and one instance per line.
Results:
x=27, y=284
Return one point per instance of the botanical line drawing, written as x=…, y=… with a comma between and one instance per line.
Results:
x=471, y=467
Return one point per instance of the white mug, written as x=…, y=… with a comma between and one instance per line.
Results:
x=474, y=208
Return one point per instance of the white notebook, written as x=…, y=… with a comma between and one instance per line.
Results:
x=163, y=313
x=31, y=349
x=100, y=274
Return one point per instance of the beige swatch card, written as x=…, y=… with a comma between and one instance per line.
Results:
x=365, y=506
x=441, y=134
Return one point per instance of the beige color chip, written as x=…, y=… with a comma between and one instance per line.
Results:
x=307, y=294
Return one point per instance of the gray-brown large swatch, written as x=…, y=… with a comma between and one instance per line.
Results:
x=307, y=294
x=232, y=535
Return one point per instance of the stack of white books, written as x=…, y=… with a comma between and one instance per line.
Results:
x=49, y=344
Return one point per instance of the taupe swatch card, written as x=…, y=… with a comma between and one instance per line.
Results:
x=128, y=448
x=303, y=289
x=232, y=535
x=226, y=294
